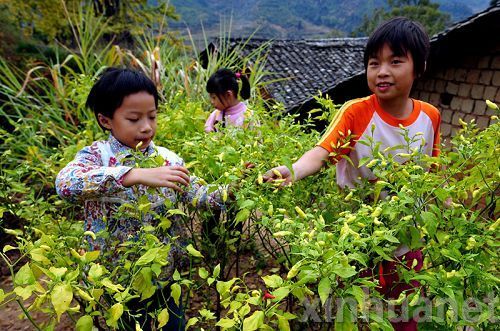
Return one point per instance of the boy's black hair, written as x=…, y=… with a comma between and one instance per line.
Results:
x=113, y=86
x=225, y=80
x=402, y=36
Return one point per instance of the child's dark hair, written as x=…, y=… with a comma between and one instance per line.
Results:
x=225, y=80
x=402, y=36
x=113, y=86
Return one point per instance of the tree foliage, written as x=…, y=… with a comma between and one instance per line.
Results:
x=423, y=11
x=47, y=20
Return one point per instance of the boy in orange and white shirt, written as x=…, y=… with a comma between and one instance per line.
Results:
x=395, y=56
x=359, y=115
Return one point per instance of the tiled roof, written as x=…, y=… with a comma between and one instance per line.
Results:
x=478, y=34
x=305, y=67
x=474, y=19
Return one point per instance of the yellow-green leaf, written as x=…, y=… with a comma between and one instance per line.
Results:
x=216, y=271
x=7, y=248
x=192, y=251
x=84, y=323
x=38, y=255
x=280, y=293
x=143, y=284
x=346, y=323
x=24, y=276
x=225, y=323
x=24, y=292
x=244, y=310
x=91, y=256
x=359, y=294
x=114, y=313
x=283, y=324
x=61, y=296
x=254, y=321
x=176, y=212
x=148, y=257
x=203, y=273
x=242, y=215
x=175, y=292
x=95, y=272
x=58, y=272
x=223, y=287
x=109, y=284
x=156, y=268
x=324, y=288
x=344, y=271
x=163, y=317
x=272, y=281
x=191, y=322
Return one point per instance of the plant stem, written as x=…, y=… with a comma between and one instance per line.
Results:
x=28, y=315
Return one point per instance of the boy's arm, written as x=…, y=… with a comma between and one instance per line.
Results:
x=314, y=159
x=308, y=164
x=86, y=177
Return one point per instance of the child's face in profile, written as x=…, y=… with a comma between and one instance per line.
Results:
x=222, y=101
x=390, y=76
x=134, y=121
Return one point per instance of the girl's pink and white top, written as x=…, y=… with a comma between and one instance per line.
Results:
x=234, y=116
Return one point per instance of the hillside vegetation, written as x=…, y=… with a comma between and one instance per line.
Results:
x=294, y=19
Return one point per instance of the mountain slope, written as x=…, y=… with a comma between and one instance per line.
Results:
x=292, y=19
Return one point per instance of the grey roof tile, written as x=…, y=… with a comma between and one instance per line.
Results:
x=307, y=66
x=493, y=9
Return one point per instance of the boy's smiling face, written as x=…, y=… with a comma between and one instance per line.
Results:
x=390, y=76
x=134, y=121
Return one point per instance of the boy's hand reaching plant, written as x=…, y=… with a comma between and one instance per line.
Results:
x=281, y=173
x=167, y=176
x=310, y=163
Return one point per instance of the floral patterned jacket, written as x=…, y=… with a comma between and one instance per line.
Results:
x=95, y=177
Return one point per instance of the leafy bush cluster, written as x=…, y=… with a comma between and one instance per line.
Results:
x=310, y=243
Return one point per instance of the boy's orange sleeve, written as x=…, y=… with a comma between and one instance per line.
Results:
x=346, y=127
x=435, y=117
x=335, y=134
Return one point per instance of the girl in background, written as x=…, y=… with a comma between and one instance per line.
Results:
x=224, y=88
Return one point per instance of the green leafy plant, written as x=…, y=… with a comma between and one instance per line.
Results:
x=284, y=258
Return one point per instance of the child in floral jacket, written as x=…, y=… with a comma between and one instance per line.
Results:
x=104, y=176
